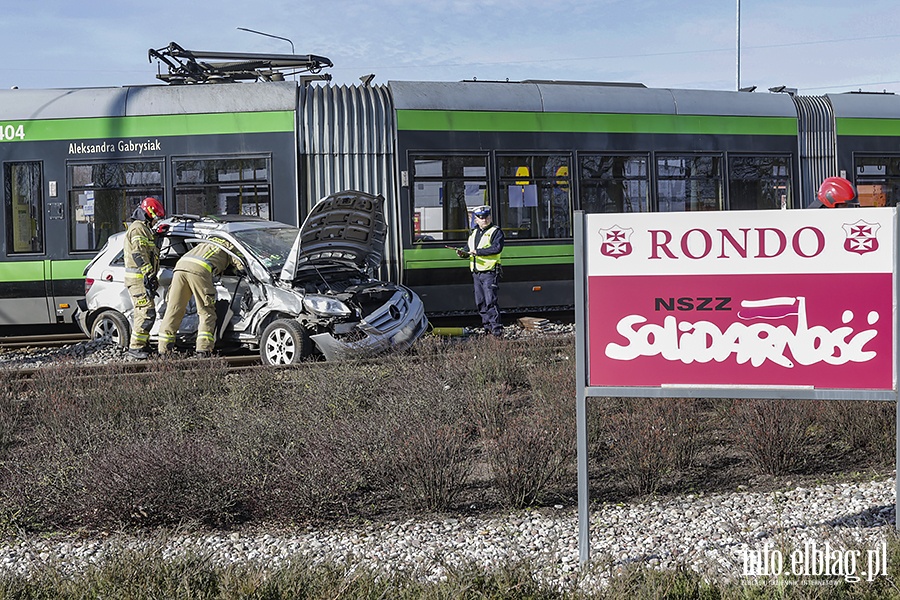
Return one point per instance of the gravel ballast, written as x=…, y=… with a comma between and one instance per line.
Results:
x=711, y=534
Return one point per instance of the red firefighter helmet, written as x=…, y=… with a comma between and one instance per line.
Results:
x=834, y=191
x=153, y=208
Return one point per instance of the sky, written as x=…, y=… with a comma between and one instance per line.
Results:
x=814, y=46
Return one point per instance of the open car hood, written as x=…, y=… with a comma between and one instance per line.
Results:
x=345, y=228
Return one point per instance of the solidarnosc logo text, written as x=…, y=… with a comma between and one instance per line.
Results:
x=754, y=341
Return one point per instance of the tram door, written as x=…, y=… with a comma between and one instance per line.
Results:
x=63, y=272
x=24, y=278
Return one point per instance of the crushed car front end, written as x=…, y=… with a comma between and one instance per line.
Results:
x=382, y=317
x=347, y=311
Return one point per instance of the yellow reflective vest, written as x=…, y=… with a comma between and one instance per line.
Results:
x=488, y=262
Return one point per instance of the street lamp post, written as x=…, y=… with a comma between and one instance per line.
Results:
x=277, y=37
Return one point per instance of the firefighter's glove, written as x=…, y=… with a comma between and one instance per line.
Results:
x=151, y=284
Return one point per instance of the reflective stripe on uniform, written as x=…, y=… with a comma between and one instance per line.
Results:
x=206, y=341
x=486, y=262
x=199, y=261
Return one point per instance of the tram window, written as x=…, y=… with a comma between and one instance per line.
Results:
x=689, y=183
x=24, y=208
x=878, y=180
x=614, y=184
x=226, y=186
x=759, y=182
x=535, y=196
x=443, y=189
x=102, y=197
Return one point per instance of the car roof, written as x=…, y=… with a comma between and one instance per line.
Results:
x=193, y=224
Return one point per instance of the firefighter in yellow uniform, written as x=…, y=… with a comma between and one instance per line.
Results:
x=193, y=276
x=141, y=268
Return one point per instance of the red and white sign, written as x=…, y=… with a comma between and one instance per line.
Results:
x=743, y=298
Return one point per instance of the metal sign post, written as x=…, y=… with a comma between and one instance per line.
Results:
x=739, y=304
x=581, y=398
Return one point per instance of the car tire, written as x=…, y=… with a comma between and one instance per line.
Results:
x=284, y=342
x=113, y=325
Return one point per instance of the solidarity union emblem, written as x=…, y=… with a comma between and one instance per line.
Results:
x=616, y=241
x=861, y=237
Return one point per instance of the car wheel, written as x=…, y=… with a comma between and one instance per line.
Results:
x=284, y=342
x=112, y=325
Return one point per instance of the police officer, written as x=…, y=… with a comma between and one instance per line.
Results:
x=141, y=267
x=483, y=251
x=193, y=276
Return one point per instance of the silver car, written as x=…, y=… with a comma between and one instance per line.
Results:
x=302, y=293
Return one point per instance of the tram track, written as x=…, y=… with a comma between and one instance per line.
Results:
x=22, y=358
x=128, y=368
x=53, y=340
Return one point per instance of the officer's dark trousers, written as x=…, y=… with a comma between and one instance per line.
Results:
x=486, y=300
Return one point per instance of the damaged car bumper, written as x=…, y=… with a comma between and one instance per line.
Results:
x=395, y=326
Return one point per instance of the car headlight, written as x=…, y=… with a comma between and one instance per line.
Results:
x=323, y=305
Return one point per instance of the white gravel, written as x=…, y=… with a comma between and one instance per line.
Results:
x=710, y=534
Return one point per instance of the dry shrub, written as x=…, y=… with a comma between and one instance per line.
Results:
x=37, y=490
x=432, y=463
x=649, y=439
x=600, y=413
x=314, y=459
x=95, y=446
x=162, y=481
x=331, y=439
x=640, y=438
x=339, y=388
x=773, y=432
x=181, y=398
x=687, y=425
x=867, y=426
x=490, y=362
x=12, y=412
x=527, y=459
x=70, y=412
x=428, y=435
x=552, y=378
x=490, y=408
x=311, y=477
x=83, y=406
x=531, y=450
x=102, y=447
x=61, y=397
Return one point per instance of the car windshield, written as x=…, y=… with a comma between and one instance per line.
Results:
x=270, y=245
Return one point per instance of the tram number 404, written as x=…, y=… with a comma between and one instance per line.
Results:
x=11, y=132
